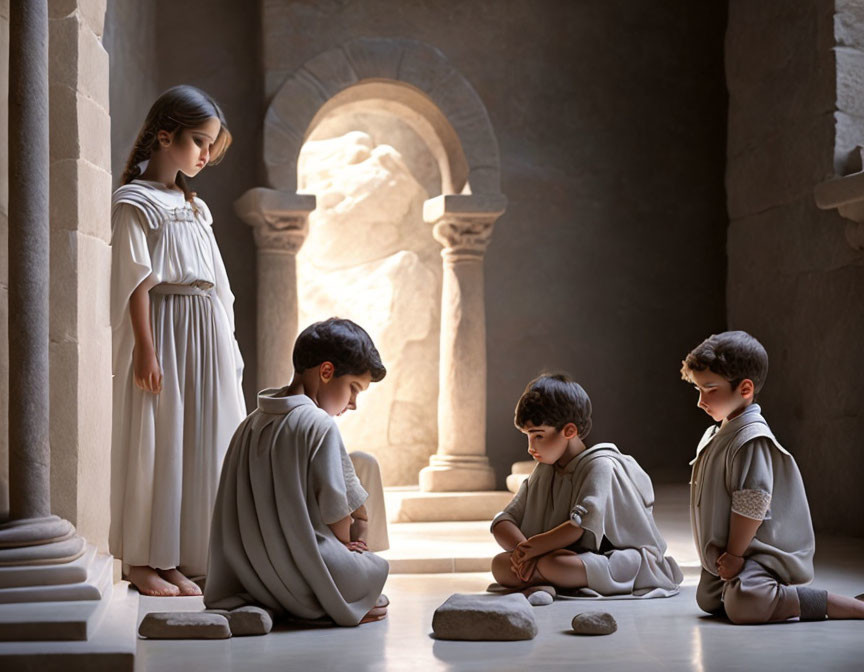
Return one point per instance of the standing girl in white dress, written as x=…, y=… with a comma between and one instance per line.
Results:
x=177, y=368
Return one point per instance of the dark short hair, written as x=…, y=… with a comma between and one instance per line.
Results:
x=554, y=399
x=735, y=355
x=343, y=343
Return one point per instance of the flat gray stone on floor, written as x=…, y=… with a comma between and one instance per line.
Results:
x=184, y=625
x=594, y=623
x=245, y=621
x=485, y=618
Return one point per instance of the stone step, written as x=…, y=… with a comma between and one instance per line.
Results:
x=98, y=581
x=410, y=505
x=458, y=545
x=96, y=635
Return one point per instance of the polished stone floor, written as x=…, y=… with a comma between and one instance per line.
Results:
x=666, y=634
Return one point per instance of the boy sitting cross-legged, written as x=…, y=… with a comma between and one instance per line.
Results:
x=748, y=508
x=583, y=519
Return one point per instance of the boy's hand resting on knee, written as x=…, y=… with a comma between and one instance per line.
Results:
x=729, y=566
x=357, y=546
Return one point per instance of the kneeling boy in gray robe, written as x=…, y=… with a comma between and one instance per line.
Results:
x=583, y=519
x=748, y=508
x=288, y=530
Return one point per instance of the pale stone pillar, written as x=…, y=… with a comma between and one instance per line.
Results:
x=29, y=451
x=463, y=225
x=281, y=223
x=70, y=570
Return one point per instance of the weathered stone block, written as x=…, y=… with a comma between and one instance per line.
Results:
x=332, y=71
x=81, y=198
x=782, y=168
x=485, y=618
x=63, y=286
x=375, y=57
x=246, y=621
x=850, y=81
x=423, y=66
x=94, y=129
x=92, y=76
x=60, y=9
x=594, y=623
x=63, y=118
x=63, y=50
x=184, y=625
x=93, y=13
x=849, y=24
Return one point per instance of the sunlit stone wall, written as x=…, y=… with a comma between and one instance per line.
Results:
x=371, y=258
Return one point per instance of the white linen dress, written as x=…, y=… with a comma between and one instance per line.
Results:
x=167, y=448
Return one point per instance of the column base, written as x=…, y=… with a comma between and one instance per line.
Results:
x=457, y=473
x=51, y=589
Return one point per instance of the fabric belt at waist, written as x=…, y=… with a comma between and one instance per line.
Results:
x=199, y=288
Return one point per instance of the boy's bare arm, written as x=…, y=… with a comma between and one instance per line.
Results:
x=741, y=532
x=508, y=535
x=559, y=537
x=359, y=525
x=342, y=529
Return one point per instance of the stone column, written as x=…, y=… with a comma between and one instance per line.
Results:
x=281, y=222
x=463, y=225
x=29, y=451
x=34, y=537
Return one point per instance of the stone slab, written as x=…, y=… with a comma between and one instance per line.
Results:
x=98, y=583
x=110, y=637
x=184, y=625
x=485, y=618
x=407, y=505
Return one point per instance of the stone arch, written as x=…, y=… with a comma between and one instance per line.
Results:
x=418, y=84
x=403, y=72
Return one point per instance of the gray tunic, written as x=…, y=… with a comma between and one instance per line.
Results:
x=283, y=482
x=741, y=467
x=621, y=547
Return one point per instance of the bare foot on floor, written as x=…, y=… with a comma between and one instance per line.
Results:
x=378, y=612
x=187, y=586
x=148, y=582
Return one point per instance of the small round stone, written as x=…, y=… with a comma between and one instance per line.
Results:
x=594, y=623
x=540, y=598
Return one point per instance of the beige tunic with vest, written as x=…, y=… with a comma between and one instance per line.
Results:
x=741, y=467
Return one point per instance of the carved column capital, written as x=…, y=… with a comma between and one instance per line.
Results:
x=464, y=234
x=280, y=220
x=463, y=224
x=281, y=233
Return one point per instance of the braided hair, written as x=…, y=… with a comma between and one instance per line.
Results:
x=178, y=108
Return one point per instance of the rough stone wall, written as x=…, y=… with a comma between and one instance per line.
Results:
x=131, y=42
x=609, y=260
x=212, y=45
x=4, y=256
x=795, y=112
x=80, y=335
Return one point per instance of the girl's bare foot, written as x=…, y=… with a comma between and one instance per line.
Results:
x=187, y=586
x=148, y=582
